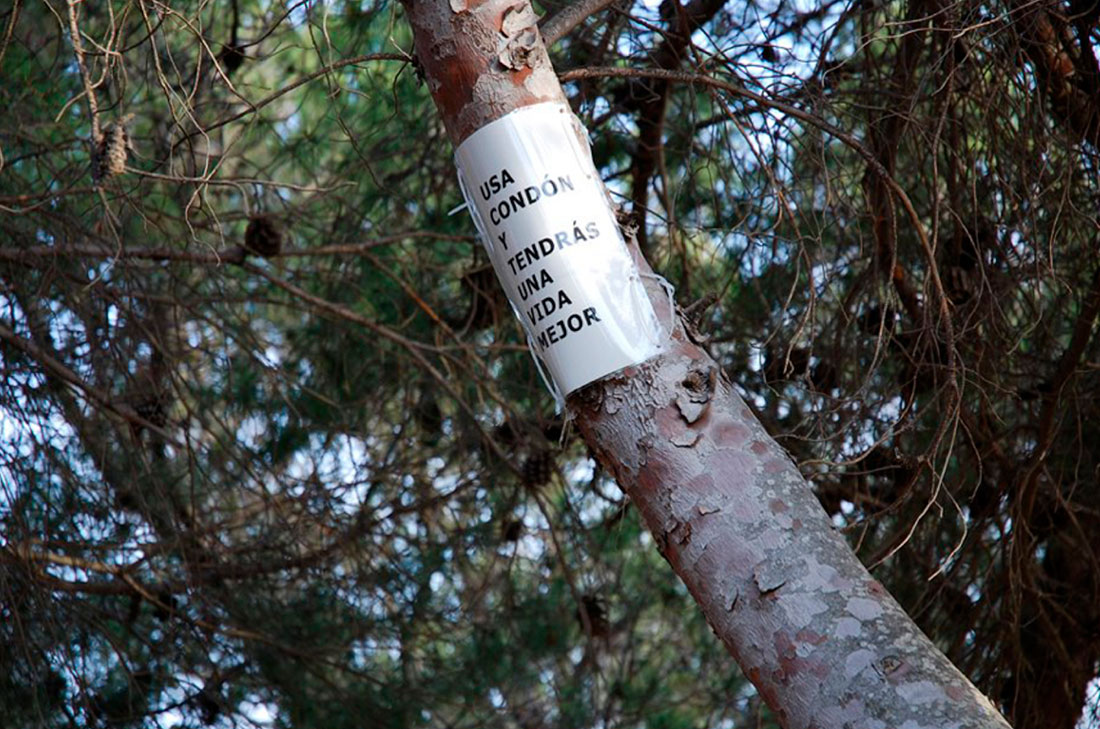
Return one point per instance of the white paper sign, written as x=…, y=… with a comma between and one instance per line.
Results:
x=546, y=220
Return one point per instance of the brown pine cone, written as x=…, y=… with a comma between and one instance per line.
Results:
x=595, y=609
x=538, y=468
x=263, y=236
x=111, y=150
x=511, y=530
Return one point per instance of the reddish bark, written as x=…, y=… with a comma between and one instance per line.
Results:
x=823, y=642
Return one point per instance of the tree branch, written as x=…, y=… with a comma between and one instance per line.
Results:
x=558, y=25
x=66, y=375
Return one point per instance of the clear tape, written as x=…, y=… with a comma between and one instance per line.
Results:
x=486, y=242
x=670, y=291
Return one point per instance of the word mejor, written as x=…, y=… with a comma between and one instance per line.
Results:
x=529, y=195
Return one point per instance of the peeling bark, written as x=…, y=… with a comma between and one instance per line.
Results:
x=823, y=642
x=481, y=60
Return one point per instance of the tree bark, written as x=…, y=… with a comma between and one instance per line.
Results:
x=824, y=643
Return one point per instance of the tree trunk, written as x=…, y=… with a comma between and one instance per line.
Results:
x=824, y=643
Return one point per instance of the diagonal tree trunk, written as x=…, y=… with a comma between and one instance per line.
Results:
x=823, y=642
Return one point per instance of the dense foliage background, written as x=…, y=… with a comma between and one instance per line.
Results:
x=323, y=487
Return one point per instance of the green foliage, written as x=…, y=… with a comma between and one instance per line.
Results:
x=290, y=491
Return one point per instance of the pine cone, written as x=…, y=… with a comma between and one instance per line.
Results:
x=111, y=150
x=231, y=58
x=538, y=468
x=154, y=408
x=595, y=609
x=263, y=236
x=511, y=530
